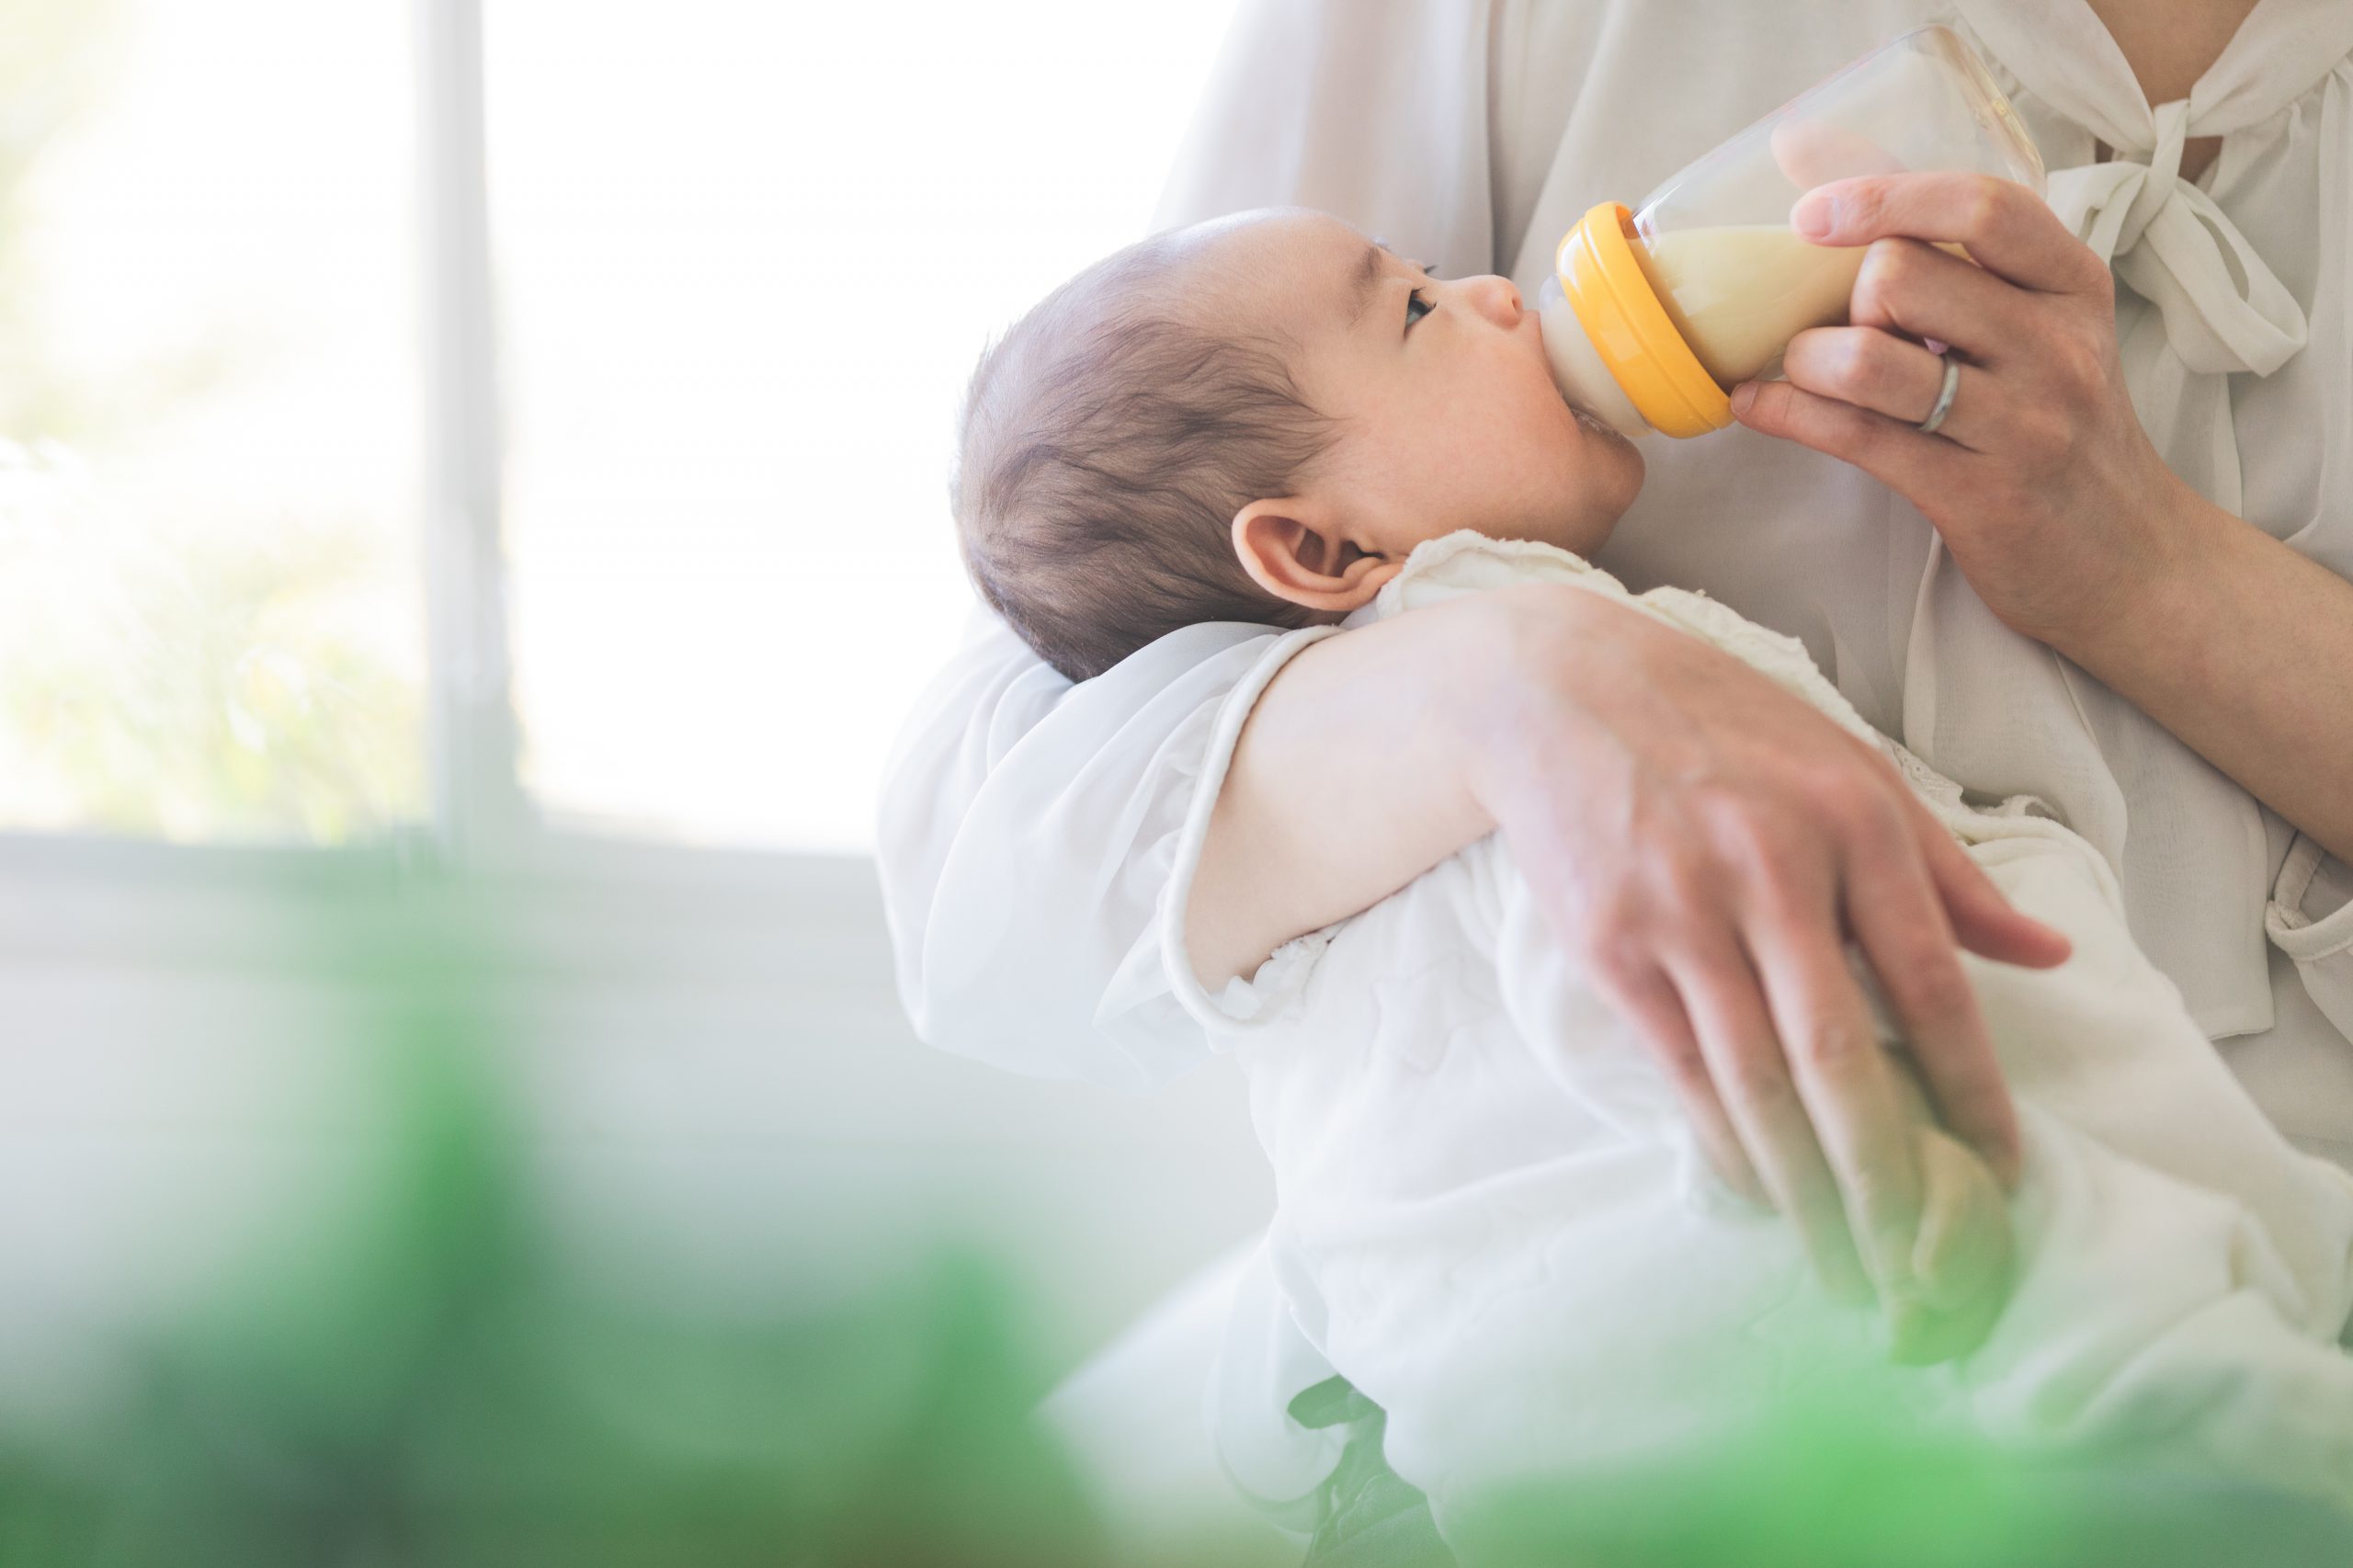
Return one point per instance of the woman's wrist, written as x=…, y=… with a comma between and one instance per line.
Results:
x=1535, y=656
x=2154, y=602
x=1489, y=702
x=2241, y=646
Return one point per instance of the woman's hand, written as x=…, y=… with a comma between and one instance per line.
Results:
x=2051, y=496
x=1707, y=843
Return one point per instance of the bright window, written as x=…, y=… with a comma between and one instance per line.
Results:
x=268, y=572
x=210, y=625
x=747, y=256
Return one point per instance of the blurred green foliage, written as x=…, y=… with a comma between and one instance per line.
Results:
x=1828, y=1488
x=419, y=1375
x=416, y=1371
x=425, y=1371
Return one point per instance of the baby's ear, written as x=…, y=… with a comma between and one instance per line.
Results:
x=1297, y=549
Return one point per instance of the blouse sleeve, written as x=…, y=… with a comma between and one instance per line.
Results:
x=2310, y=919
x=1027, y=827
x=1028, y=831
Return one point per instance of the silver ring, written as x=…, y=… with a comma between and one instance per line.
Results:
x=1944, y=395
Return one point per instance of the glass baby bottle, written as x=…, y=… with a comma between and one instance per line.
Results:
x=1655, y=315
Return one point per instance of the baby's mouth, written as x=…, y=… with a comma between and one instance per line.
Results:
x=1592, y=422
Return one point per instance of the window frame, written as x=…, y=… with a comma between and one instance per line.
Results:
x=481, y=826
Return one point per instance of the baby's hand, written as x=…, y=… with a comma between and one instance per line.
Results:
x=1960, y=1260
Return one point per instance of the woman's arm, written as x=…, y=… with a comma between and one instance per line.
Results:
x=2243, y=648
x=2051, y=496
x=1701, y=838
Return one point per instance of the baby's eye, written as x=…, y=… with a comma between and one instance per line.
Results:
x=1417, y=307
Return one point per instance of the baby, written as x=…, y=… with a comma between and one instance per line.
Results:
x=1492, y=1217
x=1257, y=419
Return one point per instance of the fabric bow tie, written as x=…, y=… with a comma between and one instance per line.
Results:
x=2224, y=309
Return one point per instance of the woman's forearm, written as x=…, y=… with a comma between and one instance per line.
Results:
x=2244, y=649
x=1355, y=773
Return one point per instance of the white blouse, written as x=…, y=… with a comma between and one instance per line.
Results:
x=1029, y=827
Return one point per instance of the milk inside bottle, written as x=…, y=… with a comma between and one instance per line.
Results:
x=1654, y=315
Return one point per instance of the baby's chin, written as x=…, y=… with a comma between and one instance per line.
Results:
x=1611, y=446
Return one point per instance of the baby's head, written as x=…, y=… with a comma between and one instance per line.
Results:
x=1257, y=419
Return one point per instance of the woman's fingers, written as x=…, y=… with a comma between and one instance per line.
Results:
x=1983, y=920
x=1899, y=921
x=1724, y=998
x=1700, y=872
x=1841, y=1073
x=1908, y=290
x=2006, y=228
x=1888, y=448
x=1909, y=287
x=1858, y=392
x=1886, y=375
x=2048, y=479
x=1650, y=1001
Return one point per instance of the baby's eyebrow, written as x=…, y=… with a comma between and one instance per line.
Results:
x=1366, y=283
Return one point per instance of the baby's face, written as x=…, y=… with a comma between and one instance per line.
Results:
x=1447, y=411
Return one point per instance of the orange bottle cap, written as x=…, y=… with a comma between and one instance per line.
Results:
x=1631, y=328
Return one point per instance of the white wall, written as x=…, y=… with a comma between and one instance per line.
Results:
x=710, y=1050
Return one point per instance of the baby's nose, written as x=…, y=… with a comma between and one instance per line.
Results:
x=1497, y=298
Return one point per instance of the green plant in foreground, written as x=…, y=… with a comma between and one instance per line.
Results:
x=421, y=1375
x=1823, y=1488
x=423, y=1380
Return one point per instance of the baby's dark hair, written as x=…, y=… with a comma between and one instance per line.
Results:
x=1108, y=441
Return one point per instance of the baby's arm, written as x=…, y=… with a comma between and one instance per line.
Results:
x=1962, y=1256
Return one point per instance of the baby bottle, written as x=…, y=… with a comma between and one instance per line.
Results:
x=1655, y=315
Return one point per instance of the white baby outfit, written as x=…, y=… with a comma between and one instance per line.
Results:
x=1495, y=1222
